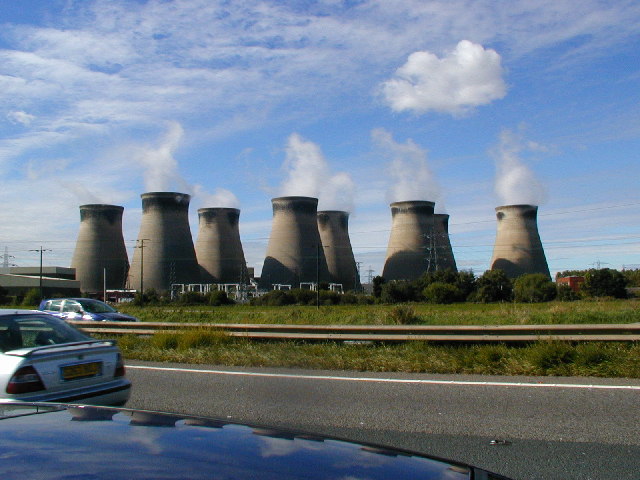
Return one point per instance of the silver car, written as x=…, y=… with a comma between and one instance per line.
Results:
x=44, y=359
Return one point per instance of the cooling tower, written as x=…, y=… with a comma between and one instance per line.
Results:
x=410, y=252
x=443, y=252
x=334, y=235
x=218, y=247
x=164, y=251
x=518, y=249
x=294, y=253
x=100, y=253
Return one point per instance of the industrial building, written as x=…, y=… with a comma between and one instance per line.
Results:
x=100, y=257
x=294, y=253
x=218, y=248
x=518, y=249
x=333, y=226
x=164, y=252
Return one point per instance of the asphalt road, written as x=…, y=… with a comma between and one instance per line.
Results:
x=546, y=428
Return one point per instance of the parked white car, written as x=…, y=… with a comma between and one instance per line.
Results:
x=44, y=359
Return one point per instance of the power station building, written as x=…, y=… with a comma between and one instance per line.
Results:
x=443, y=252
x=164, y=252
x=333, y=226
x=412, y=243
x=294, y=253
x=100, y=257
x=518, y=249
x=218, y=248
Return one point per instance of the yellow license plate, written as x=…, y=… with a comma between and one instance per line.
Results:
x=81, y=370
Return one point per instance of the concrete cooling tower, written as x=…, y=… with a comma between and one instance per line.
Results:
x=294, y=253
x=334, y=235
x=218, y=247
x=518, y=249
x=410, y=252
x=443, y=252
x=164, y=251
x=100, y=256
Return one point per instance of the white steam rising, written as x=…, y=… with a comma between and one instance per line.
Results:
x=467, y=77
x=221, y=198
x=308, y=175
x=515, y=183
x=412, y=178
x=160, y=166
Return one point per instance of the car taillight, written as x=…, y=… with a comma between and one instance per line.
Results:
x=25, y=380
x=119, y=372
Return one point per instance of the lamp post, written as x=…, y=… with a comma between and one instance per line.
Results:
x=41, y=250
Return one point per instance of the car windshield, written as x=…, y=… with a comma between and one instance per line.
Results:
x=28, y=331
x=95, y=306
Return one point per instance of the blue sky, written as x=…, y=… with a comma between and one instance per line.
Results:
x=469, y=104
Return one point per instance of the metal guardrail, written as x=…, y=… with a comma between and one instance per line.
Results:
x=384, y=333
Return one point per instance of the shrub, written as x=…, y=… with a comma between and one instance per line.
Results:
x=201, y=339
x=605, y=282
x=165, y=340
x=304, y=296
x=493, y=286
x=403, y=315
x=551, y=355
x=439, y=292
x=378, y=282
x=329, y=298
x=191, y=298
x=398, y=292
x=533, y=288
x=274, y=298
x=32, y=297
x=566, y=294
x=216, y=298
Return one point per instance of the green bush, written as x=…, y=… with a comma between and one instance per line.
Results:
x=32, y=298
x=566, y=294
x=605, y=282
x=438, y=292
x=533, y=288
x=552, y=355
x=399, y=291
x=493, y=286
x=274, y=298
x=378, y=282
x=191, y=298
x=217, y=298
x=403, y=315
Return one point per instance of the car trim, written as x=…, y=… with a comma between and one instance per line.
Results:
x=77, y=396
x=18, y=353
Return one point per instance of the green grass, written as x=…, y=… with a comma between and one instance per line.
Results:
x=580, y=312
x=541, y=358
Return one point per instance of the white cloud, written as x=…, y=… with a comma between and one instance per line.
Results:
x=20, y=117
x=468, y=77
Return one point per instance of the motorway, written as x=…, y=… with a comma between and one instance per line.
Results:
x=545, y=427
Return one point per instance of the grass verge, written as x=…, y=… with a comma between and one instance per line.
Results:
x=541, y=358
x=580, y=312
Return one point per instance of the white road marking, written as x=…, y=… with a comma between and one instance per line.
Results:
x=387, y=380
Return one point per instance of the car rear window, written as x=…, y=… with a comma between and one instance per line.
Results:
x=28, y=331
x=53, y=305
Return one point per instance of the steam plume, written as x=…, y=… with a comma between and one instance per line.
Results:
x=515, y=182
x=160, y=166
x=412, y=177
x=308, y=174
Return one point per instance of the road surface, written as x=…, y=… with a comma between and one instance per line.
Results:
x=522, y=427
